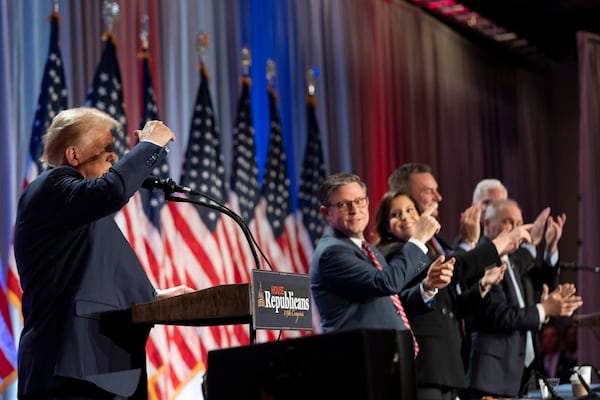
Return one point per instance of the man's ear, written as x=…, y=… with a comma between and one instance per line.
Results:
x=72, y=156
x=324, y=211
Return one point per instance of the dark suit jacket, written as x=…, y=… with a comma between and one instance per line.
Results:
x=438, y=331
x=350, y=293
x=80, y=277
x=497, y=359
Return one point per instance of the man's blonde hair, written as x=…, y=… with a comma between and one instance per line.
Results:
x=68, y=127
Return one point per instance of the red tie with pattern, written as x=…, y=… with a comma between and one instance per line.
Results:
x=395, y=298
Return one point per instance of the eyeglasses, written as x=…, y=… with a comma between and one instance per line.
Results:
x=347, y=204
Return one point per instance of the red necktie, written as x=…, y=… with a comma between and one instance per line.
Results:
x=437, y=246
x=395, y=298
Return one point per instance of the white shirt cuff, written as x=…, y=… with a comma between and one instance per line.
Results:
x=419, y=244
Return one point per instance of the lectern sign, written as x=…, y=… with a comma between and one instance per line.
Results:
x=281, y=300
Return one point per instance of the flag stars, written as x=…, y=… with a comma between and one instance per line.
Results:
x=203, y=161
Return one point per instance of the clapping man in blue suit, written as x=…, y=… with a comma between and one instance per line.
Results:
x=78, y=273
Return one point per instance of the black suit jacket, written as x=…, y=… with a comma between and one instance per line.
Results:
x=497, y=359
x=438, y=332
x=80, y=277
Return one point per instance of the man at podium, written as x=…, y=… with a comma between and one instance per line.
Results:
x=78, y=273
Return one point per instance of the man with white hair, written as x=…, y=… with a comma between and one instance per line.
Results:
x=502, y=349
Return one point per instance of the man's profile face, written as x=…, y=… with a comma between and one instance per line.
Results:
x=424, y=189
x=507, y=217
x=96, y=153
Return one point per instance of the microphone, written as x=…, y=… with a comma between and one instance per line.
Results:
x=167, y=185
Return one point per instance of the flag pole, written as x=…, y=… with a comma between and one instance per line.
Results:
x=271, y=72
x=246, y=62
x=110, y=12
x=202, y=46
x=310, y=82
x=144, y=33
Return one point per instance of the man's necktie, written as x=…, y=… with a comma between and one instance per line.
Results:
x=437, y=246
x=529, y=352
x=395, y=298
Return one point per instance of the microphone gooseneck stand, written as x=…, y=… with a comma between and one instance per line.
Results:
x=224, y=210
x=216, y=205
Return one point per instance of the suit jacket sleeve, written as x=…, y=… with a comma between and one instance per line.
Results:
x=413, y=300
x=346, y=268
x=470, y=265
x=105, y=195
x=500, y=311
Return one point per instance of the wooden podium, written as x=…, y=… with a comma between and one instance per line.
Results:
x=354, y=365
x=217, y=305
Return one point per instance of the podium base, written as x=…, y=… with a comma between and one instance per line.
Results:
x=360, y=365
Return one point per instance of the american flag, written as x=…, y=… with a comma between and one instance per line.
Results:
x=245, y=190
x=274, y=203
x=52, y=100
x=276, y=183
x=204, y=243
x=244, y=172
x=145, y=224
x=244, y=187
x=198, y=261
x=309, y=220
x=8, y=349
x=106, y=93
x=149, y=202
x=277, y=230
x=313, y=174
x=152, y=200
x=203, y=168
